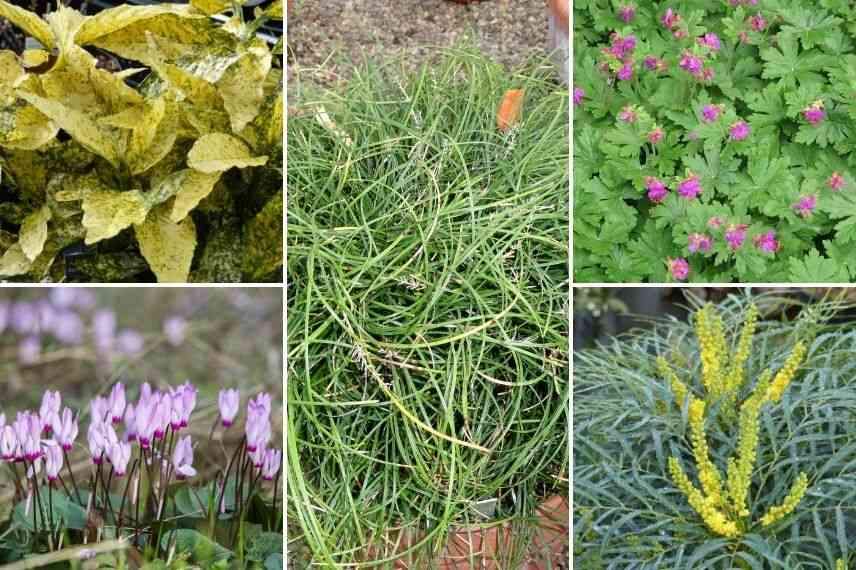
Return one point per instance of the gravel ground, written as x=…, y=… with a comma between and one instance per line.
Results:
x=325, y=35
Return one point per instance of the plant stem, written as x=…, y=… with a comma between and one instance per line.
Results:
x=71, y=474
x=125, y=493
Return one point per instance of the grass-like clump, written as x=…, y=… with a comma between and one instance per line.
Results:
x=428, y=327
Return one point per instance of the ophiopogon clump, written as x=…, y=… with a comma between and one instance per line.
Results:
x=142, y=473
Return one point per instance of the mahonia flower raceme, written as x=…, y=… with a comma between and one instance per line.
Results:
x=229, y=401
x=835, y=182
x=182, y=458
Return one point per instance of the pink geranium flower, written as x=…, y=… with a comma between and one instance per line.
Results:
x=690, y=187
x=814, y=113
x=627, y=12
x=699, y=242
x=679, y=268
x=655, y=136
x=739, y=131
x=709, y=113
x=657, y=191
x=767, y=242
x=805, y=205
x=835, y=182
x=735, y=235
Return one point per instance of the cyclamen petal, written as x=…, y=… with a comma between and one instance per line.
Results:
x=182, y=458
x=53, y=461
x=229, y=402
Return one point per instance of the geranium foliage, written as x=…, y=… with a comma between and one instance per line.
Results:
x=713, y=140
x=187, y=161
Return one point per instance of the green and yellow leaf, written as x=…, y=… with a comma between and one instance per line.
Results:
x=219, y=152
x=34, y=232
x=167, y=246
x=105, y=214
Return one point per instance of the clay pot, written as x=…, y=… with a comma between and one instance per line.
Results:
x=553, y=534
x=559, y=16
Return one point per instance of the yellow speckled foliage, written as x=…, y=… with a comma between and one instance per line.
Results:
x=724, y=507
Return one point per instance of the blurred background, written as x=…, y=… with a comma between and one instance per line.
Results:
x=82, y=340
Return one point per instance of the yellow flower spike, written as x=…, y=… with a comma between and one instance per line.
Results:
x=708, y=474
x=795, y=495
x=679, y=389
x=712, y=517
x=740, y=472
x=786, y=373
x=839, y=564
x=709, y=348
x=744, y=345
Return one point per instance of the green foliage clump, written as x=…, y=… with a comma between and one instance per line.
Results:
x=188, y=160
x=428, y=327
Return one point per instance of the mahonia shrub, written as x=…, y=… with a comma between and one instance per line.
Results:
x=713, y=140
x=722, y=443
x=188, y=160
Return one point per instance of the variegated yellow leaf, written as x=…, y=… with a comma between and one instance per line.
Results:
x=64, y=23
x=100, y=139
x=114, y=19
x=32, y=130
x=242, y=87
x=274, y=10
x=14, y=262
x=105, y=214
x=194, y=187
x=219, y=152
x=210, y=7
x=168, y=247
x=10, y=72
x=34, y=232
x=176, y=37
x=153, y=140
x=35, y=57
x=263, y=239
x=29, y=22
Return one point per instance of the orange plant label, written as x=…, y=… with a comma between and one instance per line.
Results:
x=509, y=109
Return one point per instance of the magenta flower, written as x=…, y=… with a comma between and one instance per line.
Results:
x=119, y=454
x=627, y=114
x=229, y=401
x=835, y=182
x=8, y=443
x=805, y=205
x=100, y=437
x=182, y=458
x=146, y=421
x=626, y=72
x=116, y=403
x=163, y=415
x=757, y=22
x=627, y=13
x=679, y=268
x=710, y=40
x=258, y=457
x=650, y=63
x=767, y=242
x=579, y=93
x=258, y=432
x=709, y=113
x=270, y=466
x=715, y=222
x=260, y=405
x=67, y=431
x=814, y=113
x=657, y=191
x=739, y=131
x=188, y=399
x=691, y=63
x=735, y=235
x=670, y=19
x=655, y=136
x=130, y=423
x=53, y=461
x=690, y=187
x=699, y=242
x=28, y=431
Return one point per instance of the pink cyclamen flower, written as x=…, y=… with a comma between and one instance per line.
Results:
x=116, y=403
x=67, y=431
x=8, y=443
x=757, y=22
x=655, y=136
x=627, y=12
x=657, y=191
x=145, y=418
x=767, y=242
x=270, y=466
x=814, y=113
x=99, y=409
x=626, y=72
x=188, y=398
x=670, y=19
x=735, y=235
x=49, y=410
x=805, y=205
x=699, y=242
x=739, y=131
x=229, y=401
x=690, y=187
x=163, y=415
x=679, y=268
x=691, y=63
x=627, y=114
x=182, y=458
x=258, y=432
x=130, y=420
x=579, y=93
x=709, y=113
x=835, y=182
x=28, y=431
x=100, y=438
x=119, y=454
x=53, y=461
x=711, y=41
